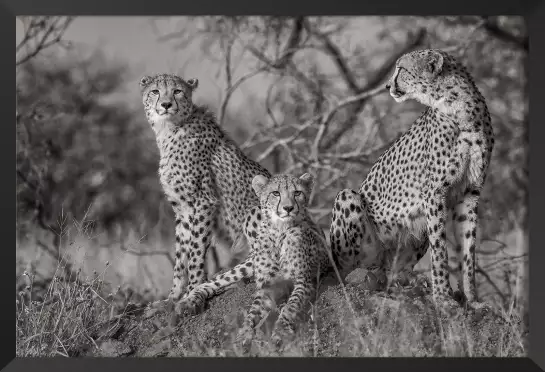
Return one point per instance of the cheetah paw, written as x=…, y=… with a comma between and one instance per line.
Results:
x=244, y=339
x=446, y=305
x=175, y=294
x=160, y=305
x=374, y=281
x=419, y=280
x=192, y=304
x=478, y=306
x=281, y=335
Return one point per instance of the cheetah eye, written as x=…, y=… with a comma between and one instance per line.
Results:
x=297, y=193
x=275, y=193
x=155, y=91
x=177, y=91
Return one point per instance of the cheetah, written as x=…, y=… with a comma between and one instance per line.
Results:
x=291, y=250
x=204, y=174
x=438, y=166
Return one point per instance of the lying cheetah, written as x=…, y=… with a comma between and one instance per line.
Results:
x=204, y=174
x=439, y=165
x=291, y=247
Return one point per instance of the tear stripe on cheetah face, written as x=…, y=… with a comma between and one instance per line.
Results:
x=204, y=175
x=434, y=78
x=289, y=250
x=439, y=165
x=283, y=198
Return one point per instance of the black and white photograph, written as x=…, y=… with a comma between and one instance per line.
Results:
x=272, y=186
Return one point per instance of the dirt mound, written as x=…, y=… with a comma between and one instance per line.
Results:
x=344, y=321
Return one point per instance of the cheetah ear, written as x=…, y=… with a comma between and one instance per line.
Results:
x=193, y=83
x=258, y=183
x=145, y=81
x=434, y=63
x=307, y=180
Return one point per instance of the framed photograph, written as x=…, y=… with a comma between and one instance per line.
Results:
x=226, y=185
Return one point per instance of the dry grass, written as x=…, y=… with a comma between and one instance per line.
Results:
x=65, y=320
x=73, y=314
x=63, y=304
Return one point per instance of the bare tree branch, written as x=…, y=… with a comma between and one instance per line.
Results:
x=268, y=105
x=283, y=141
x=147, y=253
x=232, y=90
x=462, y=47
x=279, y=64
x=373, y=83
x=509, y=259
x=331, y=49
x=487, y=277
x=291, y=47
x=494, y=29
x=329, y=115
x=42, y=33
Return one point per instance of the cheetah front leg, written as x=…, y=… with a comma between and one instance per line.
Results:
x=193, y=237
x=284, y=328
x=195, y=300
x=266, y=271
x=465, y=229
x=242, y=271
x=436, y=216
x=302, y=279
x=349, y=229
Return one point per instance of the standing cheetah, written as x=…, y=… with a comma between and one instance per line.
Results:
x=204, y=175
x=291, y=248
x=438, y=165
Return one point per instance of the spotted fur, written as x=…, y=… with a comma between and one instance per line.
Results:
x=291, y=249
x=204, y=174
x=438, y=165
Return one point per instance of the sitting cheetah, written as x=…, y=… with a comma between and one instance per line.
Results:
x=204, y=175
x=291, y=248
x=438, y=165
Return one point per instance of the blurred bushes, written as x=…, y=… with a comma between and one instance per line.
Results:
x=81, y=152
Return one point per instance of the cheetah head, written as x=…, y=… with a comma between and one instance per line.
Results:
x=417, y=74
x=167, y=99
x=283, y=198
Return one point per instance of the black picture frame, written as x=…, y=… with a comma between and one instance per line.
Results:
x=534, y=13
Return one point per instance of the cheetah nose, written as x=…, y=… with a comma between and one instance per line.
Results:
x=288, y=208
x=387, y=86
x=166, y=105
